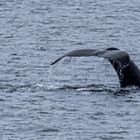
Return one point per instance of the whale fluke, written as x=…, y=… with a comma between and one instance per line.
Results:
x=77, y=53
x=127, y=71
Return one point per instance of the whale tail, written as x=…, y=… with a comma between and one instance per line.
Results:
x=127, y=71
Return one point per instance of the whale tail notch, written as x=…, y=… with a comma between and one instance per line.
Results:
x=127, y=71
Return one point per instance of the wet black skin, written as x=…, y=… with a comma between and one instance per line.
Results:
x=127, y=71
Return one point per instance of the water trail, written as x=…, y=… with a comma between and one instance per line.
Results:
x=54, y=74
x=62, y=60
x=49, y=74
x=105, y=60
x=79, y=60
x=50, y=78
x=60, y=74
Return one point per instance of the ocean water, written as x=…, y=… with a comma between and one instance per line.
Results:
x=78, y=98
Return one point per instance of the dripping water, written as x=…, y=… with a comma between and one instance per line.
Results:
x=71, y=71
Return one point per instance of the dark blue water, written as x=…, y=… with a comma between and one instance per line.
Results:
x=76, y=98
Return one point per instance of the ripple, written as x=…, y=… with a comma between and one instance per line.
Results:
x=49, y=130
x=2, y=100
x=37, y=104
x=112, y=138
x=118, y=132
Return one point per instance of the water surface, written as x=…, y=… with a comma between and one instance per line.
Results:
x=76, y=98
